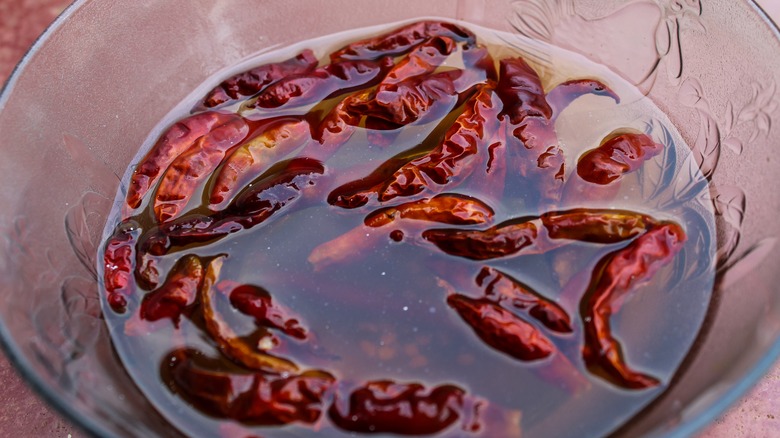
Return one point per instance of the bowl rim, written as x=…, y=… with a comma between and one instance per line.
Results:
x=685, y=428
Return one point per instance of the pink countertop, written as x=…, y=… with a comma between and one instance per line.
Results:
x=23, y=414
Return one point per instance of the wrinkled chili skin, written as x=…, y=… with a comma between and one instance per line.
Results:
x=322, y=83
x=617, y=275
x=424, y=59
x=179, y=291
x=401, y=40
x=501, y=329
x=119, y=264
x=253, y=81
x=496, y=242
x=596, y=225
x=384, y=406
x=446, y=208
x=253, y=398
x=616, y=156
x=256, y=302
x=503, y=287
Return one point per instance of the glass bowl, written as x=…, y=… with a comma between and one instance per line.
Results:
x=83, y=100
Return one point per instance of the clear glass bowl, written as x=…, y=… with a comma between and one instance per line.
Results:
x=87, y=95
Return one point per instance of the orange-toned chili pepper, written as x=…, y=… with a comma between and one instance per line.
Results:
x=401, y=40
x=274, y=139
x=423, y=60
x=384, y=406
x=119, y=264
x=175, y=141
x=503, y=288
x=191, y=168
x=617, y=155
x=179, y=292
x=617, y=275
x=322, y=83
x=251, y=82
x=501, y=329
x=446, y=208
x=253, y=398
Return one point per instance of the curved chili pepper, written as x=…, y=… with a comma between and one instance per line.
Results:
x=596, y=225
x=179, y=291
x=384, y=406
x=322, y=83
x=617, y=275
x=192, y=167
x=501, y=329
x=255, y=398
x=445, y=208
x=502, y=240
x=335, y=129
x=175, y=141
x=401, y=40
x=275, y=139
x=253, y=81
x=119, y=264
x=502, y=287
x=617, y=155
x=228, y=342
x=256, y=302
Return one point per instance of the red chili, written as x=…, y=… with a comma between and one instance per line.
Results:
x=596, y=225
x=423, y=60
x=503, y=240
x=617, y=275
x=501, y=329
x=445, y=208
x=502, y=287
x=322, y=83
x=119, y=264
x=175, y=141
x=256, y=302
x=401, y=40
x=255, y=398
x=192, y=167
x=252, y=81
x=617, y=155
x=384, y=406
x=179, y=292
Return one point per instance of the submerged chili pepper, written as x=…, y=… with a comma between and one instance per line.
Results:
x=617, y=275
x=384, y=406
x=257, y=302
x=445, y=208
x=273, y=140
x=254, y=398
x=503, y=240
x=617, y=155
x=596, y=225
x=501, y=329
x=423, y=60
x=401, y=40
x=502, y=287
x=192, y=167
x=119, y=264
x=253, y=81
x=175, y=141
x=179, y=291
x=322, y=83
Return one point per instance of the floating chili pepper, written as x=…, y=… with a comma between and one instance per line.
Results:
x=273, y=140
x=384, y=406
x=502, y=240
x=423, y=60
x=335, y=129
x=502, y=287
x=322, y=83
x=596, y=225
x=192, y=167
x=175, y=141
x=253, y=81
x=228, y=342
x=119, y=264
x=254, y=398
x=617, y=155
x=179, y=291
x=445, y=208
x=401, y=40
x=501, y=329
x=256, y=302
x=617, y=275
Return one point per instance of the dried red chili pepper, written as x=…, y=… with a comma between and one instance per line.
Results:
x=322, y=83
x=119, y=264
x=617, y=275
x=274, y=139
x=384, y=406
x=503, y=240
x=179, y=291
x=401, y=40
x=596, y=225
x=502, y=287
x=501, y=329
x=423, y=60
x=617, y=155
x=192, y=167
x=445, y=208
x=256, y=302
x=335, y=129
x=254, y=398
x=175, y=141
x=253, y=81
x=228, y=342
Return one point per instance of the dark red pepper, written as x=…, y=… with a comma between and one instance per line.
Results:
x=119, y=264
x=617, y=155
x=445, y=208
x=253, y=81
x=596, y=225
x=423, y=60
x=256, y=302
x=179, y=292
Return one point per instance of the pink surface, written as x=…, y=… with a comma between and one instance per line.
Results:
x=23, y=414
